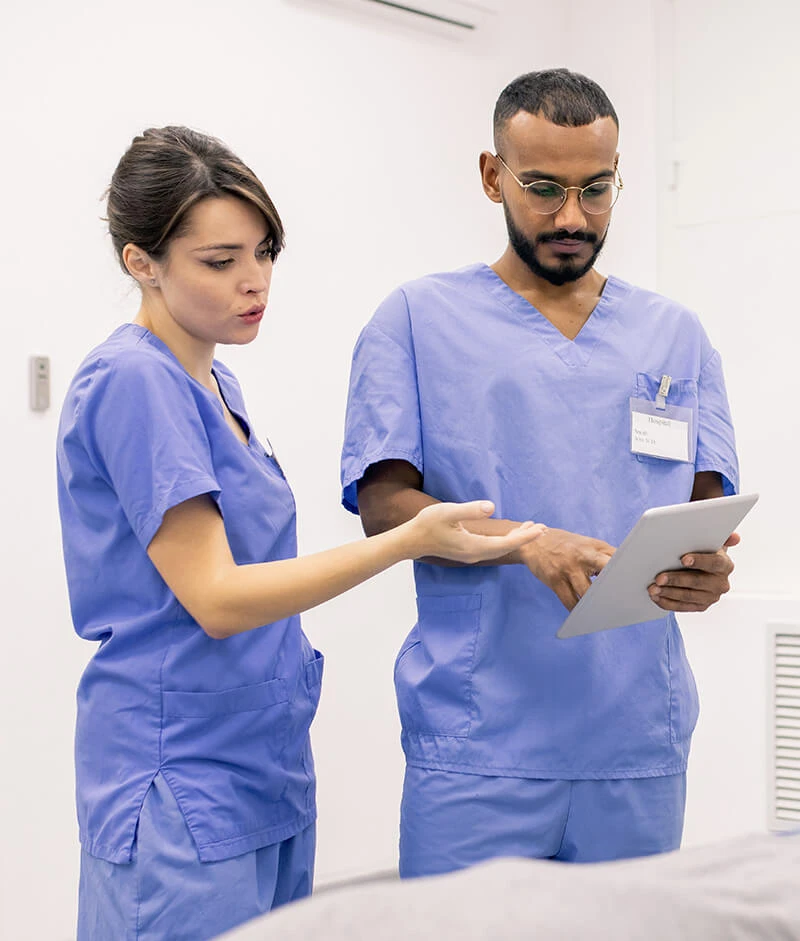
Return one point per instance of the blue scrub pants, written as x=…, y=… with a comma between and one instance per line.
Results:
x=449, y=821
x=167, y=894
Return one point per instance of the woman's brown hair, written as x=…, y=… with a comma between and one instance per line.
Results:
x=163, y=174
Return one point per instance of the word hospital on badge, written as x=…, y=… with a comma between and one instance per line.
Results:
x=658, y=436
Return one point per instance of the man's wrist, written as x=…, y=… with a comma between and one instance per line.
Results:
x=527, y=554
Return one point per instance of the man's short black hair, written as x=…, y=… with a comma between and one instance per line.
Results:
x=563, y=97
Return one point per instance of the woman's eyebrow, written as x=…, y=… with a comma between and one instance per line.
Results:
x=231, y=247
x=219, y=245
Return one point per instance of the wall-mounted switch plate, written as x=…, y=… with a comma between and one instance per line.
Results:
x=40, y=383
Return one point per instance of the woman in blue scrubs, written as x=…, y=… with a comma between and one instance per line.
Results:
x=195, y=780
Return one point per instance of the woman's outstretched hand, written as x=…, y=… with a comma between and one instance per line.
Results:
x=439, y=530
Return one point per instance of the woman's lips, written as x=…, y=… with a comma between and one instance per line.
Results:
x=253, y=315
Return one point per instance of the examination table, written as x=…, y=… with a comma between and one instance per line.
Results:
x=741, y=890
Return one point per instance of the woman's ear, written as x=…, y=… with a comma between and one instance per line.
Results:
x=140, y=265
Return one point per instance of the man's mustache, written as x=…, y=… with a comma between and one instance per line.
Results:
x=563, y=235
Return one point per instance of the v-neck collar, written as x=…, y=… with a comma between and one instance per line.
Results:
x=233, y=408
x=575, y=352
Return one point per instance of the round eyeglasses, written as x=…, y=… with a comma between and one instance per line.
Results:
x=547, y=196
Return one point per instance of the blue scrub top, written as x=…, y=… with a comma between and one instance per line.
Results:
x=460, y=376
x=225, y=721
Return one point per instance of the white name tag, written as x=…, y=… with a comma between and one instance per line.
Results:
x=659, y=436
x=662, y=430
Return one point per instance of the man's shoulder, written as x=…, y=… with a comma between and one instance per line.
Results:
x=455, y=280
x=433, y=290
x=636, y=299
x=418, y=298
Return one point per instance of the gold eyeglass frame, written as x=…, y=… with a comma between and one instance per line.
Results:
x=526, y=186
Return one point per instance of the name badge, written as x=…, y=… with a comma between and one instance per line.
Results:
x=661, y=430
x=657, y=435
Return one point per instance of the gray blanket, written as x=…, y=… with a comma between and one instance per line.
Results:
x=742, y=890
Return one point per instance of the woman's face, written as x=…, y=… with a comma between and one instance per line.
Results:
x=214, y=281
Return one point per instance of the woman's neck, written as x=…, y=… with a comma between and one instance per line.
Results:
x=195, y=355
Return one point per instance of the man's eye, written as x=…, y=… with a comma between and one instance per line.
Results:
x=545, y=190
x=597, y=191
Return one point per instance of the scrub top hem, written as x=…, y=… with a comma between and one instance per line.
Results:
x=211, y=852
x=225, y=849
x=111, y=854
x=548, y=774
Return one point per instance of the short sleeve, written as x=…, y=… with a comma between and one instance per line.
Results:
x=716, y=444
x=382, y=420
x=144, y=434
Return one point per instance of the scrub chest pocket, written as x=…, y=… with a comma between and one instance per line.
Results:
x=433, y=671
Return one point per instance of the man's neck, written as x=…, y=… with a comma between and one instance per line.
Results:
x=567, y=306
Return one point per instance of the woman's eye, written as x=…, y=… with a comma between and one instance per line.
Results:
x=266, y=253
x=219, y=265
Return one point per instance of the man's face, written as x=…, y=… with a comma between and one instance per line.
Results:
x=562, y=246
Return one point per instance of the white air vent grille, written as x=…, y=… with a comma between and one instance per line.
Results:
x=785, y=726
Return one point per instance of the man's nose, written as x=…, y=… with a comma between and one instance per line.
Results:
x=571, y=215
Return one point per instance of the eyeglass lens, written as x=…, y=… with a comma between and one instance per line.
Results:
x=546, y=197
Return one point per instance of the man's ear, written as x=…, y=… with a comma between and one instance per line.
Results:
x=489, y=176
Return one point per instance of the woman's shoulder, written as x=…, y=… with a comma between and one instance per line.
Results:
x=125, y=372
x=132, y=348
x=131, y=357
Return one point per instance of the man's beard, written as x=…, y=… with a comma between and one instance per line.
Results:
x=566, y=270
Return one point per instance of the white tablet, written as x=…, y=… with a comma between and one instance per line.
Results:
x=661, y=536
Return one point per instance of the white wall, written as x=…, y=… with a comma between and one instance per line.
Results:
x=730, y=240
x=728, y=86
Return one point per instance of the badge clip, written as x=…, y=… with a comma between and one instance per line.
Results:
x=663, y=392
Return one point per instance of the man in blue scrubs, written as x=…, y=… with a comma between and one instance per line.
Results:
x=526, y=381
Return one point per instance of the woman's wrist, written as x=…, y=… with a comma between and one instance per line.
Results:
x=407, y=540
x=401, y=543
